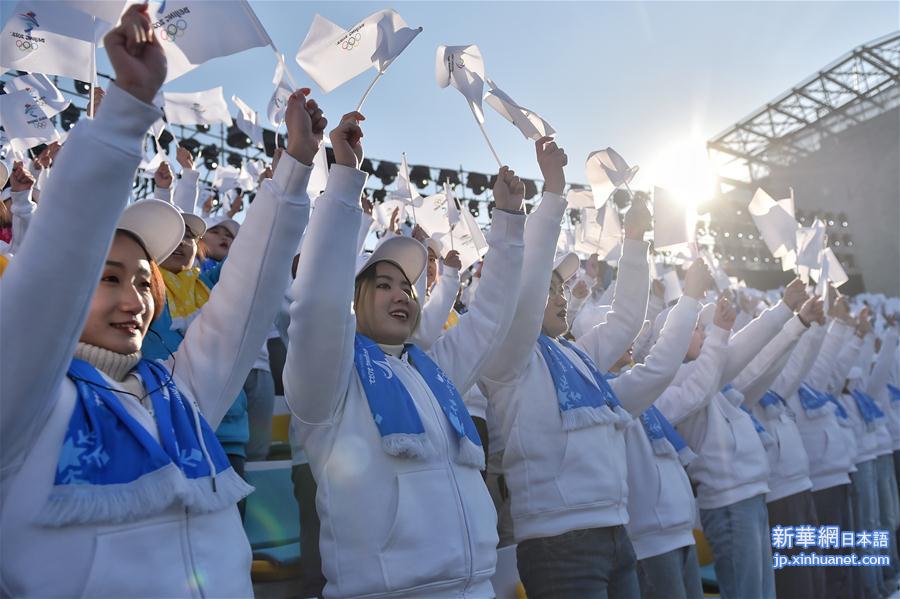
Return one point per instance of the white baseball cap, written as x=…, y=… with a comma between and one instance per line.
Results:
x=158, y=224
x=566, y=265
x=193, y=222
x=405, y=253
x=221, y=220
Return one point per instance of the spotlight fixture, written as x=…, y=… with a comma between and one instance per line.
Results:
x=191, y=145
x=235, y=160
x=203, y=128
x=477, y=182
x=530, y=188
x=165, y=138
x=69, y=116
x=474, y=208
x=448, y=176
x=82, y=87
x=210, y=155
x=386, y=171
x=420, y=176
x=367, y=166
x=237, y=138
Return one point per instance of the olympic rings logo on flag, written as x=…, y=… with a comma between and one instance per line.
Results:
x=27, y=45
x=174, y=30
x=352, y=41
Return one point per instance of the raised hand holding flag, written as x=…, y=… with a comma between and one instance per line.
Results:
x=463, y=68
x=607, y=171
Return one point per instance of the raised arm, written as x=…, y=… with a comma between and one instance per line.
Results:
x=87, y=193
x=754, y=380
x=882, y=371
x=437, y=308
x=188, y=190
x=463, y=350
x=800, y=361
x=322, y=327
x=222, y=343
x=638, y=388
x=750, y=340
x=541, y=235
x=21, y=184
x=697, y=382
x=838, y=332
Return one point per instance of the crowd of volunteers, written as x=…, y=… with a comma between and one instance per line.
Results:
x=553, y=403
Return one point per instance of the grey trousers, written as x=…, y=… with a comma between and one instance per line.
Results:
x=888, y=508
x=671, y=575
x=835, y=508
x=867, y=516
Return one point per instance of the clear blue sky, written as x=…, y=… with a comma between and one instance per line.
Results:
x=637, y=76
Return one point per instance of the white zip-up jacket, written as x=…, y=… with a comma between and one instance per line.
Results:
x=731, y=463
x=877, y=388
x=163, y=555
x=823, y=435
x=390, y=526
x=661, y=504
x=781, y=366
x=561, y=480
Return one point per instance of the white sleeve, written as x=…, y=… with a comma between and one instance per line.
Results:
x=800, y=362
x=222, y=343
x=323, y=327
x=607, y=341
x=364, y=226
x=692, y=392
x=541, y=234
x=22, y=209
x=462, y=351
x=187, y=191
x=638, y=388
x=756, y=378
x=437, y=309
x=67, y=246
x=750, y=340
x=881, y=373
x=819, y=375
x=163, y=193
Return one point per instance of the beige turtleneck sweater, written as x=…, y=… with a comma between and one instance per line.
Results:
x=116, y=366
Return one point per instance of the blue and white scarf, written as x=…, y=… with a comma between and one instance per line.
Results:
x=764, y=436
x=867, y=407
x=664, y=439
x=814, y=402
x=839, y=410
x=582, y=401
x=895, y=393
x=393, y=409
x=772, y=404
x=111, y=469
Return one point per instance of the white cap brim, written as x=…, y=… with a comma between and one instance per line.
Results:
x=220, y=220
x=158, y=224
x=566, y=265
x=405, y=253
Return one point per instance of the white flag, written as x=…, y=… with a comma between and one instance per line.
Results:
x=531, y=125
x=25, y=122
x=810, y=241
x=776, y=226
x=404, y=189
x=580, y=198
x=248, y=121
x=674, y=222
x=672, y=285
x=152, y=164
x=468, y=240
x=194, y=31
x=42, y=90
x=332, y=55
x=283, y=90
x=452, y=208
x=432, y=215
x=382, y=213
x=606, y=171
x=463, y=68
x=318, y=178
x=49, y=37
x=196, y=108
x=107, y=12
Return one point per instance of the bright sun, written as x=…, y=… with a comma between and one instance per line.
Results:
x=684, y=169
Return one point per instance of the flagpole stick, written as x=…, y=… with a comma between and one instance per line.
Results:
x=93, y=77
x=483, y=132
x=368, y=89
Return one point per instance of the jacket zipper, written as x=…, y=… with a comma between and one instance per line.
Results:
x=195, y=579
x=470, y=549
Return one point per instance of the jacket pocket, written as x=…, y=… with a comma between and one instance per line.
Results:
x=593, y=469
x=142, y=561
x=675, y=501
x=426, y=540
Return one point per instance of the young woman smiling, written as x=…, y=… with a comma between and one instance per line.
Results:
x=404, y=511
x=112, y=483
